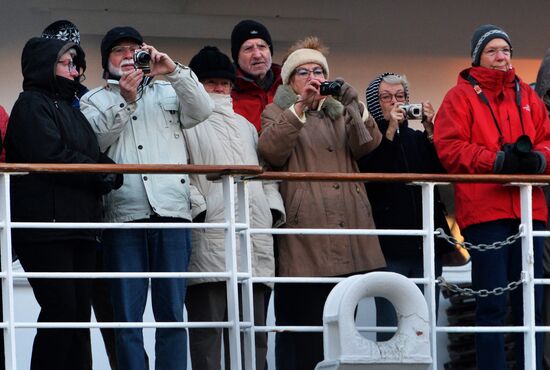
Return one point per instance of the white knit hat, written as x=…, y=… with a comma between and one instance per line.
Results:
x=300, y=57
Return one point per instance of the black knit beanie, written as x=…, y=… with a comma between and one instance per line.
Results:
x=112, y=37
x=62, y=30
x=246, y=30
x=482, y=36
x=65, y=30
x=210, y=62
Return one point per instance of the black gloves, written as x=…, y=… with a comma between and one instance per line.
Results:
x=201, y=217
x=506, y=162
x=510, y=161
x=532, y=162
x=105, y=182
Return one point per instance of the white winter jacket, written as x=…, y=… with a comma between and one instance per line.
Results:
x=148, y=131
x=228, y=138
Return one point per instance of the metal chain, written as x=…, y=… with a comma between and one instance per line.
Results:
x=478, y=293
x=440, y=233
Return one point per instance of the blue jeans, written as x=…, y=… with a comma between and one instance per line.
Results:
x=496, y=268
x=153, y=250
x=411, y=267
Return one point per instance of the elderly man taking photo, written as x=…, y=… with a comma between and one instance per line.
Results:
x=140, y=121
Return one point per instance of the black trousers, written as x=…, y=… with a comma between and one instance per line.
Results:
x=60, y=300
x=299, y=304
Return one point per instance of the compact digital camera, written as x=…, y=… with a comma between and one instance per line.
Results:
x=413, y=111
x=142, y=60
x=330, y=88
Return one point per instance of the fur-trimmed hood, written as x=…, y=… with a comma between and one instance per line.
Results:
x=285, y=97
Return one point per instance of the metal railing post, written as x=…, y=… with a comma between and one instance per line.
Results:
x=528, y=261
x=228, y=182
x=429, y=263
x=7, y=281
x=247, y=289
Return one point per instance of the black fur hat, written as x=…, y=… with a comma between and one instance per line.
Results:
x=210, y=62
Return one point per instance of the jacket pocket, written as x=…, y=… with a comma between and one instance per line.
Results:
x=170, y=111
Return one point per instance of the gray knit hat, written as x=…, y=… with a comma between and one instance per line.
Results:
x=482, y=36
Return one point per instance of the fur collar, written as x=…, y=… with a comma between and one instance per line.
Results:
x=285, y=98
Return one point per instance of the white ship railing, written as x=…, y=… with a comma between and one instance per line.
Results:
x=235, y=179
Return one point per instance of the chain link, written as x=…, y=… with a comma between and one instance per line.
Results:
x=478, y=293
x=440, y=233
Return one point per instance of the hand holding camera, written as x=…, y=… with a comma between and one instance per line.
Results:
x=153, y=62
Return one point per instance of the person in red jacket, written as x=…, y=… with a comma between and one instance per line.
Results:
x=3, y=127
x=492, y=122
x=257, y=78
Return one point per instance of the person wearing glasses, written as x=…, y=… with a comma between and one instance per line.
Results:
x=44, y=127
x=303, y=130
x=399, y=205
x=257, y=78
x=139, y=120
x=65, y=30
x=493, y=122
x=101, y=302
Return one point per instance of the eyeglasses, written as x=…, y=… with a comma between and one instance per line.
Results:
x=121, y=49
x=69, y=64
x=304, y=72
x=387, y=97
x=493, y=51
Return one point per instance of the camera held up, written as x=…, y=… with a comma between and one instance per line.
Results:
x=141, y=60
x=330, y=88
x=412, y=111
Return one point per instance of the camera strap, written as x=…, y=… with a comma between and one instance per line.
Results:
x=483, y=98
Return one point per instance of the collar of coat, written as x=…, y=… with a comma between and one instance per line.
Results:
x=285, y=97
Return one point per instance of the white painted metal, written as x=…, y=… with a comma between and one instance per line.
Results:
x=429, y=260
x=231, y=266
x=528, y=275
x=7, y=281
x=346, y=348
x=247, y=323
x=238, y=222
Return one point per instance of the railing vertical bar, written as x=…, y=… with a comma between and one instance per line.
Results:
x=528, y=272
x=247, y=288
x=429, y=263
x=231, y=266
x=7, y=282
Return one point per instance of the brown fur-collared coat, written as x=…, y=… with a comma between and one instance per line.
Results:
x=327, y=142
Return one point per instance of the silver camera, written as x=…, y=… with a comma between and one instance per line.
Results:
x=413, y=111
x=142, y=60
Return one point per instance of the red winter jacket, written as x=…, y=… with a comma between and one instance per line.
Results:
x=249, y=99
x=467, y=140
x=3, y=127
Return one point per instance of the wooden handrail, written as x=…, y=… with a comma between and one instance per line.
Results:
x=257, y=173
x=404, y=177
x=128, y=168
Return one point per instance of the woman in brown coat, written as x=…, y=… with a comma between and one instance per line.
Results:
x=305, y=131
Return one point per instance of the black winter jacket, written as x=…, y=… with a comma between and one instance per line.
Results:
x=398, y=205
x=45, y=128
